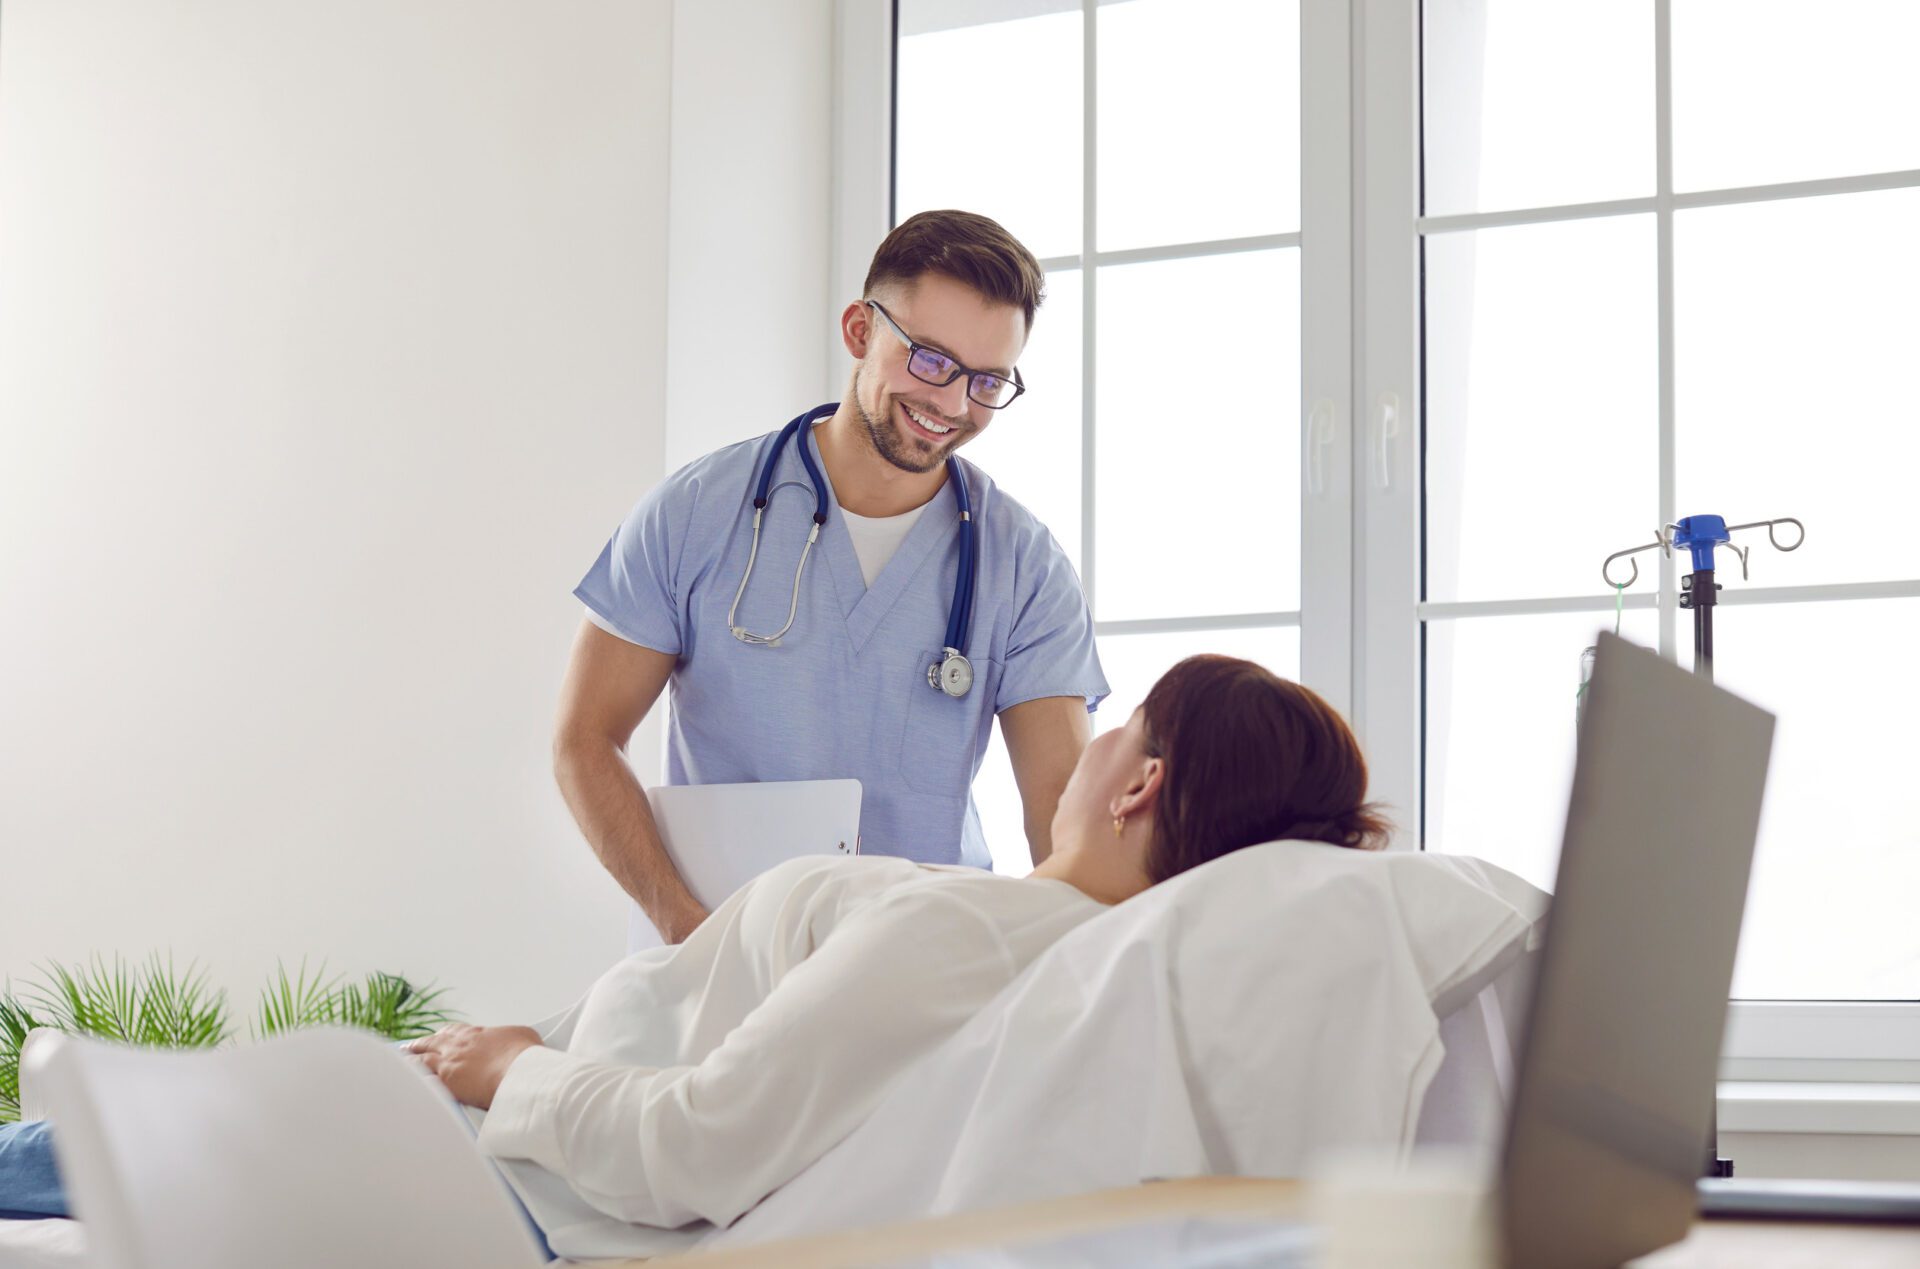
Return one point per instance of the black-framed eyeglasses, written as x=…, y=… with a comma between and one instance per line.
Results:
x=930, y=365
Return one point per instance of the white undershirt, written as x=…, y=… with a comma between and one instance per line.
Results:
x=876, y=538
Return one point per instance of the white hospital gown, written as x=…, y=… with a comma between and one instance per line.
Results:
x=701, y=1078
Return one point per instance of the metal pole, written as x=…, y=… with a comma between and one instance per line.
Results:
x=1703, y=633
x=1698, y=592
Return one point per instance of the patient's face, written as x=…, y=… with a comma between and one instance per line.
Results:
x=1110, y=764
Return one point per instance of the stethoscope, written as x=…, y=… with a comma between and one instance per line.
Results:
x=953, y=673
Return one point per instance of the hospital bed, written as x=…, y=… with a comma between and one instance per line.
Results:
x=1242, y=1019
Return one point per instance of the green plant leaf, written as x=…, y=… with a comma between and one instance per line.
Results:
x=289, y=1004
x=154, y=1006
x=180, y=1011
x=385, y=1004
x=389, y=1005
x=158, y=1005
x=16, y=1020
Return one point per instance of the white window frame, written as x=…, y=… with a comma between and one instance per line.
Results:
x=1362, y=611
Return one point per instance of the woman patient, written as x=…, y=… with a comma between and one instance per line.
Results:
x=698, y=1079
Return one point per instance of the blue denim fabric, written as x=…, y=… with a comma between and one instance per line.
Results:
x=29, y=1183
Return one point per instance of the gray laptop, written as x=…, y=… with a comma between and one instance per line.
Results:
x=1613, y=1100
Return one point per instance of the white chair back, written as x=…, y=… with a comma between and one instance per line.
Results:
x=316, y=1150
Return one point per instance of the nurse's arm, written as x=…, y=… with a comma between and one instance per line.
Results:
x=610, y=686
x=1044, y=739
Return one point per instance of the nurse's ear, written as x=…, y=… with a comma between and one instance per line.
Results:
x=856, y=329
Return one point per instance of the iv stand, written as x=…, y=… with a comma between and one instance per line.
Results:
x=1699, y=536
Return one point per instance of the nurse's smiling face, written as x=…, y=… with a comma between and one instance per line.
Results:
x=903, y=415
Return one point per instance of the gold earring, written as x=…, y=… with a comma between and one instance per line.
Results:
x=1119, y=825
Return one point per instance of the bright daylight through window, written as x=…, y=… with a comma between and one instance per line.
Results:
x=1575, y=401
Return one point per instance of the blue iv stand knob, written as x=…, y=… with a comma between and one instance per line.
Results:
x=1699, y=535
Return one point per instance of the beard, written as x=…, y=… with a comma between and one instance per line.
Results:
x=898, y=447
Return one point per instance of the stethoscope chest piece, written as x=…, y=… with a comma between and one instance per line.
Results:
x=953, y=675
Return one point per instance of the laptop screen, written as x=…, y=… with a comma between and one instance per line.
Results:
x=1613, y=1097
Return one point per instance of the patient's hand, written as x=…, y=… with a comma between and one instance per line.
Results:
x=471, y=1061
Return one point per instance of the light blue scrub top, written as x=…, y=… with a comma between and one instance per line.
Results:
x=845, y=694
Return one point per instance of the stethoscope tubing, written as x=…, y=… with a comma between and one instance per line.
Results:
x=960, y=619
x=960, y=613
x=812, y=416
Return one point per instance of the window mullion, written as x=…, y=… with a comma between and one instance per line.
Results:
x=1326, y=354
x=1663, y=216
x=1089, y=286
x=1385, y=438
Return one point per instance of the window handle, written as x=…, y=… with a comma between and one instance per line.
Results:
x=1386, y=439
x=1318, y=437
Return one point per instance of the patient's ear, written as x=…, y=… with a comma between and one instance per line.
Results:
x=1143, y=790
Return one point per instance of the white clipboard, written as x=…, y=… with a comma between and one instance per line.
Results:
x=721, y=836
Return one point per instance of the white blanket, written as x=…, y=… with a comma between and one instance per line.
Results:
x=1236, y=1020
x=1239, y=1019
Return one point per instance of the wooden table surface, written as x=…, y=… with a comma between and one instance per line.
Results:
x=1712, y=1244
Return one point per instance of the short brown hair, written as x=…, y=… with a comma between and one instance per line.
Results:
x=1250, y=757
x=966, y=247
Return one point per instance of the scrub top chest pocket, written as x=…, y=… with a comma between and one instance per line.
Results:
x=944, y=734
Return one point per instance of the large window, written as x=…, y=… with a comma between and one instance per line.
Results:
x=1149, y=153
x=1610, y=264
x=1669, y=270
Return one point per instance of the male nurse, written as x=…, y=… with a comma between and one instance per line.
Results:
x=819, y=667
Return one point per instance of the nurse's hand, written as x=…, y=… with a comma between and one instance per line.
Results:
x=683, y=920
x=471, y=1061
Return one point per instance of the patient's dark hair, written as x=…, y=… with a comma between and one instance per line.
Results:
x=1250, y=757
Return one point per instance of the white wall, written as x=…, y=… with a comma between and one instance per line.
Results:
x=750, y=203
x=332, y=345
